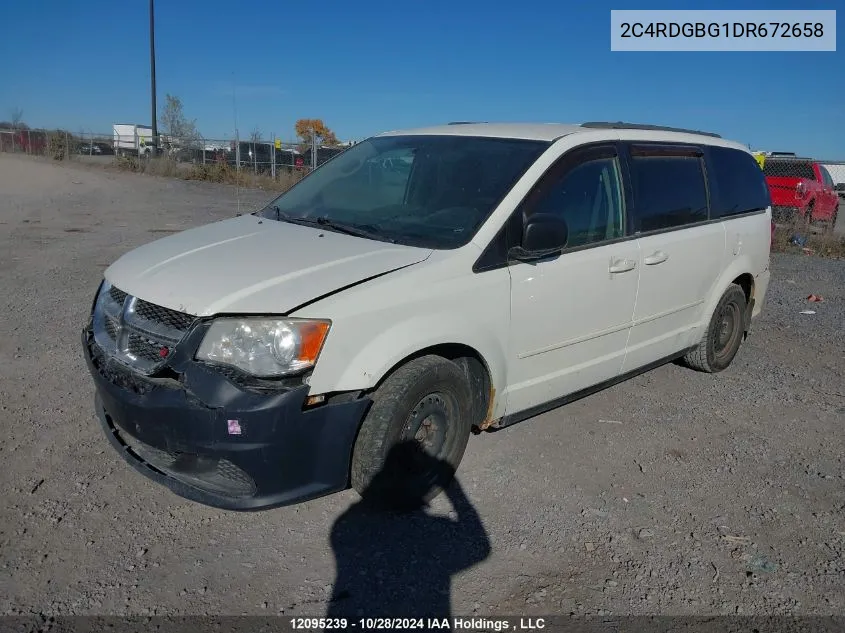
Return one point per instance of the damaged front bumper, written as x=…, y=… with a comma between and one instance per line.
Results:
x=211, y=440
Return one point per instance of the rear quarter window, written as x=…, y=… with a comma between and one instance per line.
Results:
x=827, y=179
x=740, y=186
x=669, y=192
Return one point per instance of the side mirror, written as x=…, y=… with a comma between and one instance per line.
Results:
x=543, y=234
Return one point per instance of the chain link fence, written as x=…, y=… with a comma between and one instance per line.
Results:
x=254, y=161
x=804, y=189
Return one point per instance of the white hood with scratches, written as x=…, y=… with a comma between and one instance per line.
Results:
x=252, y=265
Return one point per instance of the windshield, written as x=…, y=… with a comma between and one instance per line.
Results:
x=430, y=191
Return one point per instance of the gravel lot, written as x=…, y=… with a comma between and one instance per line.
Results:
x=673, y=493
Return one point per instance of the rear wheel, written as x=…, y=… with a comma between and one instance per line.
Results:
x=723, y=337
x=414, y=435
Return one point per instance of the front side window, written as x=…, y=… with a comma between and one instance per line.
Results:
x=826, y=177
x=427, y=190
x=589, y=198
x=669, y=192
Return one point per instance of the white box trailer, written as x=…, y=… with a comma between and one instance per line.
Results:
x=837, y=172
x=132, y=139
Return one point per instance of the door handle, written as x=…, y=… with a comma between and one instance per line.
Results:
x=622, y=265
x=657, y=257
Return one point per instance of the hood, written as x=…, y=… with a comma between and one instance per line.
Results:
x=252, y=265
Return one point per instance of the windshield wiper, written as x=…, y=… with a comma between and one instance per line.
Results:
x=280, y=215
x=369, y=231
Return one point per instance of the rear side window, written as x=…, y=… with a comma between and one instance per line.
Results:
x=669, y=192
x=740, y=184
x=785, y=168
x=826, y=177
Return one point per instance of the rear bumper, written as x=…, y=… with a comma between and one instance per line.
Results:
x=210, y=441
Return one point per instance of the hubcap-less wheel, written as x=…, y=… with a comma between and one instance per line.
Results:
x=723, y=337
x=415, y=433
x=728, y=331
x=428, y=424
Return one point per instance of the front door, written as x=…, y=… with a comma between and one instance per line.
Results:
x=571, y=313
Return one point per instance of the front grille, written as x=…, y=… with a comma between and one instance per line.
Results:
x=165, y=316
x=135, y=332
x=117, y=295
x=146, y=348
x=111, y=326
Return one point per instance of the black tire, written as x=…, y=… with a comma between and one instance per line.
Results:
x=425, y=404
x=724, y=334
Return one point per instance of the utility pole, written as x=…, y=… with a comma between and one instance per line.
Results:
x=153, y=75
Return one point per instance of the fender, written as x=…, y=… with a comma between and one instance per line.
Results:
x=373, y=359
x=738, y=266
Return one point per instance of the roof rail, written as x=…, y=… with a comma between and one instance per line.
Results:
x=620, y=125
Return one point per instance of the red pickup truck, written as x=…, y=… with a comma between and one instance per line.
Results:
x=800, y=187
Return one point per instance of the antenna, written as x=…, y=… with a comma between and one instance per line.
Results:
x=156, y=143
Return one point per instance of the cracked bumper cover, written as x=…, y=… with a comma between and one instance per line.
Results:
x=213, y=442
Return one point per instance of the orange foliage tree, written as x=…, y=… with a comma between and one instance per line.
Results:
x=309, y=130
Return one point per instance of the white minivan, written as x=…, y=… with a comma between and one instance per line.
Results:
x=420, y=286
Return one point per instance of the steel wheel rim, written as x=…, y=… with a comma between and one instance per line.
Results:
x=427, y=427
x=727, y=330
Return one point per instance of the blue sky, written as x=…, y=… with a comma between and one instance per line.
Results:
x=369, y=66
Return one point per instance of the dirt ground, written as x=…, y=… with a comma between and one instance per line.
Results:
x=673, y=493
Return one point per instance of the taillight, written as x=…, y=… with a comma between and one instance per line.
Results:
x=800, y=190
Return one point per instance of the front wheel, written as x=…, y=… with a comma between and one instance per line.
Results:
x=723, y=336
x=414, y=435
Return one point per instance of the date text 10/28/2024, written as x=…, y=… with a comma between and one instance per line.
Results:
x=410, y=624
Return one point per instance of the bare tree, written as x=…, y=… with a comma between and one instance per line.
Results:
x=174, y=124
x=17, y=119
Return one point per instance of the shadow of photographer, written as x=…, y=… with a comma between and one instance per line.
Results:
x=394, y=558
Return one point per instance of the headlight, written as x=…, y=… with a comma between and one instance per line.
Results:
x=264, y=347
